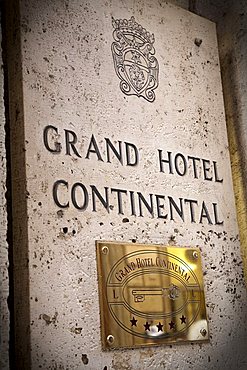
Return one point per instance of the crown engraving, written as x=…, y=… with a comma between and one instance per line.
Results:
x=131, y=25
x=134, y=61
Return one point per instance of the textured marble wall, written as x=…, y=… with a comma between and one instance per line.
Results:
x=66, y=79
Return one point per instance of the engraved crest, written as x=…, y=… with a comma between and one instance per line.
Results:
x=134, y=61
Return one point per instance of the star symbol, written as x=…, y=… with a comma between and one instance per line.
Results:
x=136, y=57
x=133, y=321
x=147, y=326
x=183, y=319
x=133, y=43
x=172, y=325
x=160, y=326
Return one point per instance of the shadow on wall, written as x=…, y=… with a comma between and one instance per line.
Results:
x=237, y=148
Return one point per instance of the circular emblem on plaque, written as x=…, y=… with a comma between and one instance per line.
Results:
x=153, y=294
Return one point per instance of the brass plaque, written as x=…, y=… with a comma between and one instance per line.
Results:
x=150, y=295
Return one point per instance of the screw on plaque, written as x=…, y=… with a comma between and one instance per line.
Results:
x=195, y=255
x=203, y=332
x=105, y=250
x=110, y=339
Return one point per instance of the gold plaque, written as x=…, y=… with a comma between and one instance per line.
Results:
x=150, y=295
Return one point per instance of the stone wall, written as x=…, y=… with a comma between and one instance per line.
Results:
x=68, y=90
x=54, y=257
x=232, y=36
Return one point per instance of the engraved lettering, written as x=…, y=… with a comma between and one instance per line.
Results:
x=135, y=203
x=206, y=169
x=114, y=294
x=104, y=201
x=132, y=154
x=74, y=198
x=117, y=153
x=70, y=141
x=215, y=208
x=119, y=199
x=195, y=161
x=173, y=205
x=55, y=193
x=216, y=173
x=160, y=206
x=56, y=146
x=205, y=214
x=93, y=148
x=169, y=161
x=180, y=161
x=142, y=200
